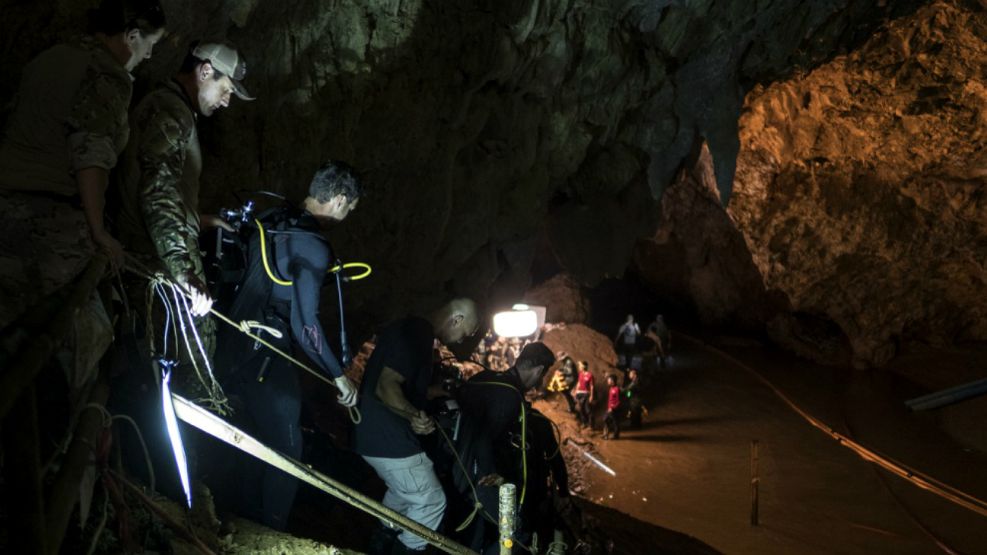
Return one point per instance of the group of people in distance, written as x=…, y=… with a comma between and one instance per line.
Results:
x=635, y=351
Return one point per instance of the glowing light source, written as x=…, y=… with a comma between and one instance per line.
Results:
x=515, y=323
x=177, y=447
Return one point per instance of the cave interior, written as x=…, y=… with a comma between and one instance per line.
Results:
x=793, y=185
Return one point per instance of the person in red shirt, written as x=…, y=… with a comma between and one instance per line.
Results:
x=584, y=394
x=611, y=424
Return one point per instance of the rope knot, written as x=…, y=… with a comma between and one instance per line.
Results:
x=246, y=325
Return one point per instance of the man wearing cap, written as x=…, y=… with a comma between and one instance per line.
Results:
x=159, y=180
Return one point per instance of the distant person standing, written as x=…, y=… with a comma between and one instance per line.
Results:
x=611, y=422
x=632, y=393
x=660, y=334
x=584, y=394
x=569, y=375
x=564, y=379
x=626, y=341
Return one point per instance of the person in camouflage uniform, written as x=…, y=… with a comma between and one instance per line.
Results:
x=63, y=137
x=159, y=180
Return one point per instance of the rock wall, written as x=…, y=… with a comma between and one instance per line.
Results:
x=858, y=217
x=860, y=186
x=495, y=134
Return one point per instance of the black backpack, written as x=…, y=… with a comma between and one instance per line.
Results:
x=253, y=294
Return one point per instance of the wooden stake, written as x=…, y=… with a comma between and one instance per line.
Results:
x=755, y=482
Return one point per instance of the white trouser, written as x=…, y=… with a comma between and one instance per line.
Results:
x=412, y=490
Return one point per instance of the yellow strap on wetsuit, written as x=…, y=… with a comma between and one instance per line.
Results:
x=334, y=269
x=364, y=265
x=263, y=256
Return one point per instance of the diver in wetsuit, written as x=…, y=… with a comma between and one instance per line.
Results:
x=287, y=260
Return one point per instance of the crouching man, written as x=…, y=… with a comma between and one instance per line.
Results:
x=392, y=401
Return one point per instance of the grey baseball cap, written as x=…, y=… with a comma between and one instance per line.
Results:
x=227, y=61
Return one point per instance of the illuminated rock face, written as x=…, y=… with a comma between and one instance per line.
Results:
x=493, y=135
x=860, y=186
x=858, y=220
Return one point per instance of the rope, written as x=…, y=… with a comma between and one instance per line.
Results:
x=217, y=399
x=899, y=469
x=477, y=506
x=354, y=412
x=247, y=325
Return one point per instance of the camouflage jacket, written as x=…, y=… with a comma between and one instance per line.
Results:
x=70, y=114
x=159, y=181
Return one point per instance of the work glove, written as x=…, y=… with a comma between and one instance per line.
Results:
x=347, y=391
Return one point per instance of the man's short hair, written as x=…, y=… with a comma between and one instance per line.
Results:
x=537, y=354
x=334, y=178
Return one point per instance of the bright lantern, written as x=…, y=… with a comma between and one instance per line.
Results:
x=515, y=323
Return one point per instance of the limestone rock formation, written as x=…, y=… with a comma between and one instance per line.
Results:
x=861, y=187
x=857, y=221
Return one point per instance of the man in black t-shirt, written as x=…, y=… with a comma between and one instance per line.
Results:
x=393, y=394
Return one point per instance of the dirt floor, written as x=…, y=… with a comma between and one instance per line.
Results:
x=689, y=468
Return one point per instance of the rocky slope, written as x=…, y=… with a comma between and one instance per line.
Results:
x=860, y=186
x=858, y=216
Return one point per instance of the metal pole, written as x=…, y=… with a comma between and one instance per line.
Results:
x=948, y=396
x=506, y=510
x=755, y=482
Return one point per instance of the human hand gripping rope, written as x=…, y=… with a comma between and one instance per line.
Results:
x=347, y=394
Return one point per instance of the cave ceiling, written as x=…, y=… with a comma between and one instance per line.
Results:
x=589, y=137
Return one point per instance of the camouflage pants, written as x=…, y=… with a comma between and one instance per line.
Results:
x=44, y=245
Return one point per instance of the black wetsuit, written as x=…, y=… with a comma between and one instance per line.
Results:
x=491, y=405
x=266, y=383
